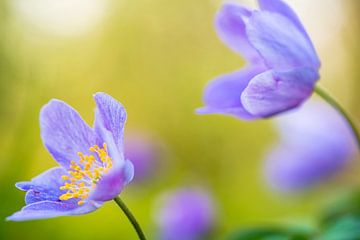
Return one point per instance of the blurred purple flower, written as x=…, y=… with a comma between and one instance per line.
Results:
x=185, y=214
x=92, y=166
x=143, y=152
x=282, y=63
x=315, y=144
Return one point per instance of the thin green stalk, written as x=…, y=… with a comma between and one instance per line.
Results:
x=131, y=217
x=329, y=99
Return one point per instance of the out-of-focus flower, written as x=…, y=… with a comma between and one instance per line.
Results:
x=143, y=152
x=186, y=213
x=315, y=144
x=282, y=63
x=92, y=166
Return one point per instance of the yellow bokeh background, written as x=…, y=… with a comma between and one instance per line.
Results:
x=156, y=57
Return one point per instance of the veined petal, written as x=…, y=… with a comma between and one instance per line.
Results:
x=110, y=116
x=65, y=133
x=280, y=42
x=279, y=6
x=50, y=209
x=222, y=95
x=274, y=91
x=112, y=183
x=230, y=26
x=43, y=187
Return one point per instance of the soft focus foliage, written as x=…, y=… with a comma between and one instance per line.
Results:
x=155, y=57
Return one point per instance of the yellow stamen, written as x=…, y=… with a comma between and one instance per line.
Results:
x=84, y=175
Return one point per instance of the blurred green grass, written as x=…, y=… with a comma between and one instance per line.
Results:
x=155, y=57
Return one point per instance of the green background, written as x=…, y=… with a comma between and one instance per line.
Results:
x=155, y=56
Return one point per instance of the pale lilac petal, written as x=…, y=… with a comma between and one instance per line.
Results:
x=276, y=91
x=222, y=95
x=315, y=144
x=65, y=133
x=315, y=119
x=110, y=116
x=291, y=168
x=280, y=42
x=46, y=186
x=50, y=209
x=281, y=7
x=113, y=182
x=230, y=26
x=187, y=213
x=144, y=151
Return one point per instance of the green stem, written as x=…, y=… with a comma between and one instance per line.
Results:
x=131, y=218
x=327, y=97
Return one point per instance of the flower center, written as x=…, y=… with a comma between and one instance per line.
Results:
x=84, y=175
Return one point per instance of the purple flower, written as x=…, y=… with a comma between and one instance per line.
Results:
x=315, y=144
x=185, y=214
x=282, y=63
x=92, y=166
x=143, y=152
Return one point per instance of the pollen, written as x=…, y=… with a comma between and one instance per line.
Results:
x=85, y=174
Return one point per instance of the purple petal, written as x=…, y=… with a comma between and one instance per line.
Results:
x=273, y=91
x=280, y=42
x=65, y=133
x=113, y=182
x=222, y=95
x=110, y=116
x=144, y=152
x=279, y=6
x=230, y=26
x=185, y=214
x=50, y=209
x=121, y=173
x=290, y=168
x=44, y=187
x=297, y=162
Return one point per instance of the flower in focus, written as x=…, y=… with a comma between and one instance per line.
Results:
x=143, y=152
x=185, y=214
x=315, y=144
x=92, y=166
x=282, y=67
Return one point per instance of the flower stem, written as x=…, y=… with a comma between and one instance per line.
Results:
x=329, y=99
x=131, y=217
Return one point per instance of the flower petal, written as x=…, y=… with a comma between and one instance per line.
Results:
x=222, y=95
x=292, y=167
x=43, y=187
x=273, y=91
x=50, y=209
x=110, y=116
x=279, y=6
x=297, y=162
x=230, y=26
x=65, y=133
x=280, y=42
x=113, y=182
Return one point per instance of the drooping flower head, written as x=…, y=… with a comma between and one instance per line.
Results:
x=282, y=63
x=315, y=144
x=144, y=153
x=186, y=213
x=92, y=165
